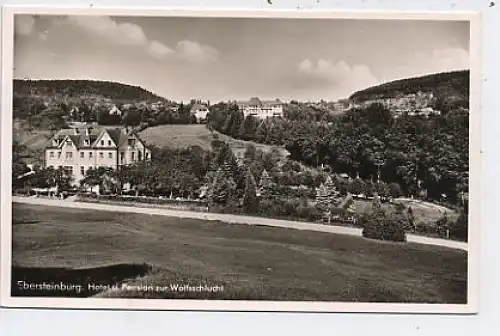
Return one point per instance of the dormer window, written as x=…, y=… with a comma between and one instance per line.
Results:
x=109, y=143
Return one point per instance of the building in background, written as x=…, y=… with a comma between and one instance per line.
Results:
x=200, y=111
x=261, y=108
x=78, y=149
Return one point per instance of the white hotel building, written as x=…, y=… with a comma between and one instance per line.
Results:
x=261, y=108
x=79, y=149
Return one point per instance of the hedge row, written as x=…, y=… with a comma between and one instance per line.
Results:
x=183, y=204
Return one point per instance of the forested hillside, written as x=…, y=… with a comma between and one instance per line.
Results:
x=450, y=85
x=427, y=155
x=71, y=89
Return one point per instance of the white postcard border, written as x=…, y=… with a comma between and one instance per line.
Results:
x=7, y=300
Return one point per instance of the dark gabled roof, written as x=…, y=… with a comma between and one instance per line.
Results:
x=116, y=134
x=254, y=101
x=197, y=106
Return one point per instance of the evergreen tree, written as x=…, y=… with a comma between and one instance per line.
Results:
x=265, y=184
x=237, y=122
x=357, y=186
x=222, y=188
x=370, y=189
x=382, y=189
x=248, y=128
x=395, y=190
x=250, y=200
x=411, y=219
x=322, y=198
x=327, y=197
x=334, y=195
x=262, y=132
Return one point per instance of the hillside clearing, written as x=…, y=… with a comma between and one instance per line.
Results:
x=250, y=262
x=424, y=212
x=182, y=136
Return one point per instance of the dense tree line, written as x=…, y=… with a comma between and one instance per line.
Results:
x=454, y=85
x=56, y=116
x=426, y=156
x=77, y=88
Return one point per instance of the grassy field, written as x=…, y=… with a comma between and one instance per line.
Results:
x=250, y=262
x=424, y=212
x=182, y=136
x=34, y=141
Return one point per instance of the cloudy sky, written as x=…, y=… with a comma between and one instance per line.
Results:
x=224, y=58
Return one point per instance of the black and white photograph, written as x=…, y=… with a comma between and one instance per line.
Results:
x=240, y=160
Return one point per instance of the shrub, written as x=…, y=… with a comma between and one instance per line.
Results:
x=250, y=200
x=460, y=228
x=382, y=226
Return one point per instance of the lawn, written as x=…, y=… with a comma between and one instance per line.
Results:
x=250, y=262
x=182, y=136
x=424, y=212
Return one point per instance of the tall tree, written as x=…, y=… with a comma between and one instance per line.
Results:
x=250, y=200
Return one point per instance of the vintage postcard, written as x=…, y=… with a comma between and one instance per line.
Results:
x=304, y=160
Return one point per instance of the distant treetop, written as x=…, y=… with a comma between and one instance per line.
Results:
x=81, y=88
x=447, y=84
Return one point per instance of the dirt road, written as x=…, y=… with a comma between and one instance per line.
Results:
x=237, y=219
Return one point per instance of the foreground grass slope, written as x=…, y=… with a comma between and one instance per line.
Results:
x=251, y=262
x=182, y=136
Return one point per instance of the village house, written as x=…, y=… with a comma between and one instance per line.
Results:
x=114, y=110
x=79, y=149
x=200, y=111
x=261, y=108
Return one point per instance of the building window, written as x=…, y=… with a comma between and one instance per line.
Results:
x=101, y=155
x=139, y=156
x=133, y=156
x=110, y=155
x=69, y=169
x=82, y=170
x=121, y=157
x=102, y=142
x=82, y=155
x=90, y=155
x=146, y=156
x=109, y=143
x=51, y=155
x=58, y=155
x=69, y=155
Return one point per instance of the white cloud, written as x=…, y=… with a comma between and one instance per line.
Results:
x=24, y=24
x=195, y=52
x=159, y=50
x=119, y=33
x=447, y=59
x=43, y=36
x=340, y=75
x=129, y=34
x=438, y=60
